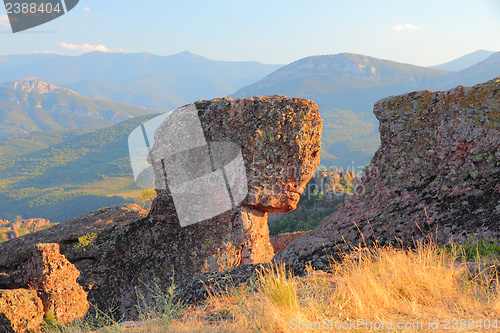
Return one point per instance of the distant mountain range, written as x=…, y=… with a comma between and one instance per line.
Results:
x=464, y=61
x=155, y=82
x=55, y=164
x=346, y=86
x=478, y=73
x=31, y=105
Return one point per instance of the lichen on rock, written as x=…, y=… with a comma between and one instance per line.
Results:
x=436, y=174
x=119, y=250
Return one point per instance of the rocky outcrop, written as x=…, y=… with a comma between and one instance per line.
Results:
x=31, y=224
x=77, y=240
x=281, y=241
x=119, y=251
x=11, y=230
x=279, y=139
x=54, y=279
x=436, y=174
x=46, y=285
x=335, y=182
x=21, y=310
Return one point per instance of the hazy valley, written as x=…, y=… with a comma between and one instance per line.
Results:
x=54, y=165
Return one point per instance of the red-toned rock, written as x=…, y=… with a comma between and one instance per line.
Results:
x=31, y=224
x=279, y=139
x=13, y=230
x=54, y=279
x=281, y=241
x=20, y=310
x=335, y=182
x=119, y=250
x=436, y=174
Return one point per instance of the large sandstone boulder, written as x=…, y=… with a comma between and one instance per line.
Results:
x=120, y=252
x=279, y=138
x=436, y=174
x=21, y=310
x=281, y=241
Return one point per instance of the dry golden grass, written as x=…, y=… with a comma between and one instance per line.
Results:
x=375, y=285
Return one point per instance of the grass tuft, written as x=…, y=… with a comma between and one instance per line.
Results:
x=415, y=286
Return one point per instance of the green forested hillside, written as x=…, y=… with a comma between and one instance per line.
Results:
x=345, y=86
x=30, y=105
x=69, y=173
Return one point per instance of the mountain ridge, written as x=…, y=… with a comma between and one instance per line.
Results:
x=30, y=105
x=144, y=79
x=464, y=61
x=345, y=86
x=29, y=85
x=347, y=65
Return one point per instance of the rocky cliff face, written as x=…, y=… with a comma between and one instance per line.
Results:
x=119, y=250
x=33, y=86
x=436, y=173
x=335, y=182
x=11, y=230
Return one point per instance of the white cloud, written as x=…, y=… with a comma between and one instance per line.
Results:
x=4, y=20
x=406, y=26
x=86, y=9
x=46, y=52
x=87, y=47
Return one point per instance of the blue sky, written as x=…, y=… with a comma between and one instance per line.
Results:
x=272, y=31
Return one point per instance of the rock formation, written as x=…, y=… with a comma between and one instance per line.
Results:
x=54, y=279
x=335, y=182
x=11, y=230
x=120, y=252
x=435, y=174
x=46, y=284
x=281, y=241
x=20, y=310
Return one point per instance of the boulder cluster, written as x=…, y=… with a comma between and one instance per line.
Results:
x=122, y=251
x=435, y=176
x=45, y=287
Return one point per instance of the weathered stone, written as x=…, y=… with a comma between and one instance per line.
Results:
x=35, y=224
x=77, y=238
x=199, y=288
x=54, y=279
x=20, y=310
x=436, y=174
x=335, y=183
x=22, y=227
x=119, y=251
x=280, y=141
x=281, y=241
